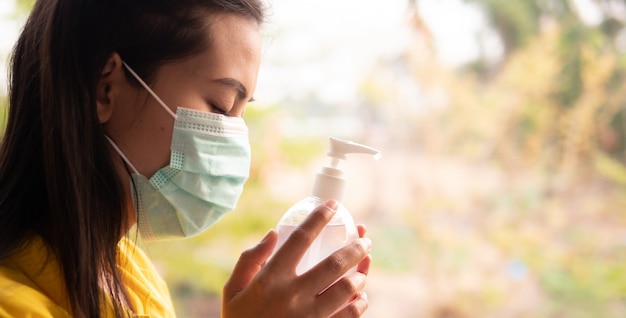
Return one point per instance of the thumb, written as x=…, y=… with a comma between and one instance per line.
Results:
x=249, y=264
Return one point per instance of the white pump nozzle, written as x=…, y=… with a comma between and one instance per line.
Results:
x=329, y=182
x=339, y=148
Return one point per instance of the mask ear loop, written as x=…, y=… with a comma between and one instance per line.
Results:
x=132, y=181
x=167, y=109
x=117, y=149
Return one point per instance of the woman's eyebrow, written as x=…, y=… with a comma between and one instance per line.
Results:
x=242, y=92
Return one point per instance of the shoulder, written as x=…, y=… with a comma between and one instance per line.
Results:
x=146, y=289
x=31, y=283
x=19, y=297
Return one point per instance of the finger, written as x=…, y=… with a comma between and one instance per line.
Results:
x=334, y=266
x=288, y=256
x=356, y=308
x=361, y=229
x=341, y=292
x=249, y=264
x=364, y=265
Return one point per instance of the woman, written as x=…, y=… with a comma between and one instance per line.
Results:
x=127, y=112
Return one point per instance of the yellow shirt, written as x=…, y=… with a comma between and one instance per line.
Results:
x=31, y=284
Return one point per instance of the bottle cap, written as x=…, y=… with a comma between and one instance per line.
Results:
x=329, y=182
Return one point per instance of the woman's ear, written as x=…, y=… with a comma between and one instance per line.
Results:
x=108, y=88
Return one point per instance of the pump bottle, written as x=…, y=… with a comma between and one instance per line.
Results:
x=329, y=184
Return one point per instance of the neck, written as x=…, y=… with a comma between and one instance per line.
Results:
x=124, y=174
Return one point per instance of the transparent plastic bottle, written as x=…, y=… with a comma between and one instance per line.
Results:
x=329, y=184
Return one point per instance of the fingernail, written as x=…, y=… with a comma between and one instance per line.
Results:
x=364, y=295
x=331, y=204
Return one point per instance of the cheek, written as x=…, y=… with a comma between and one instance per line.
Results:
x=150, y=140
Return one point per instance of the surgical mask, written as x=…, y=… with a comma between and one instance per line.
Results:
x=209, y=164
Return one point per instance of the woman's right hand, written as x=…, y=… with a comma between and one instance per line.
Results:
x=272, y=289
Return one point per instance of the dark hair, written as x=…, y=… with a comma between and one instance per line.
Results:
x=57, y=177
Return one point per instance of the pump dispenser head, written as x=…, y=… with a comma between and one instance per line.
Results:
x=329, y=182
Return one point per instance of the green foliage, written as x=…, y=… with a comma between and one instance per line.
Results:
x=24, y=6
x=587, y=283
x=301, y=151
x=516, y=21
x=610, y=168
x=395, y=247
x=4, y=108
x=549, y=120
x=570, y=75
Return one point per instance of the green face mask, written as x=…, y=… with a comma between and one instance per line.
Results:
x=209, y=164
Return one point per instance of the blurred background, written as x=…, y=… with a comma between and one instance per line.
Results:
x=502, y=187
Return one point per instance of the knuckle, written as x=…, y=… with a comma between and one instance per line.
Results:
x=356, y=308
x=338, y=263
x=246, y=254
x=347, y=287
x=264, y=284
x=353, y=311
x=361, y=250
x=320, y=216
x=302, y=236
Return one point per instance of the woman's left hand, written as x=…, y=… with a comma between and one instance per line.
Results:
x=257, y=290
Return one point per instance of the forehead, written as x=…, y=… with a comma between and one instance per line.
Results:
x=234, y=52
x=235, y=42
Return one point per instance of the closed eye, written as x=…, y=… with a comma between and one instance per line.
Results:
x=217, y=109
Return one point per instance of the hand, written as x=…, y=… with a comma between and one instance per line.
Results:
x=257, y=289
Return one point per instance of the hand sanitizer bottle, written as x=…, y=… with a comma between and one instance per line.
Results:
x=329, y=184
